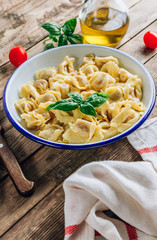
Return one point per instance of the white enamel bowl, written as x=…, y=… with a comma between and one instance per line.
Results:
x=25, y=73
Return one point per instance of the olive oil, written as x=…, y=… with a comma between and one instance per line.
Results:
x=105, y=26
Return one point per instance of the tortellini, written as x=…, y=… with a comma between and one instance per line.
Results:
x=99, y=81
x=80, y=132
x=49, y=96
x=46, y=73
x=41, y=85
x=95, y=74
x=111, y=68
x=29, y=91
x=51, y=132
x=33, y=120
x=25, y=105
x=66, y=66
x=100, y=61
x=88, y=69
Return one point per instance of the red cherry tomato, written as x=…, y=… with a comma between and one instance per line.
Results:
x=150, y=39
x=17, y=55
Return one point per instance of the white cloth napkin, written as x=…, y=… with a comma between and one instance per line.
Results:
x=115, y=200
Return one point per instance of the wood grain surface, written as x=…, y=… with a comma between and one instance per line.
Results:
x=41, y=217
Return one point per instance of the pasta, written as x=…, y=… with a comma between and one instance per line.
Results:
x=96, y=74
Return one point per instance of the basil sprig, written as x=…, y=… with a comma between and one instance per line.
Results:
x=87, y=106
x=63, y=35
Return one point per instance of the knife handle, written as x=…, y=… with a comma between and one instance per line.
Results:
x=23, y=186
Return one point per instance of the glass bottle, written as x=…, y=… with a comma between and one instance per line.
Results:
x=104, y=22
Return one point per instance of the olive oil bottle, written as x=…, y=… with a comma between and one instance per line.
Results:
x=104, y=25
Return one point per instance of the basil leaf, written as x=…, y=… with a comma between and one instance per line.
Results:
x=52, y=27
x=75, y=39
x=48, y=46
x=76, y=97
x=69, y=26
x=62, y=40
x=106, y=95
x=53, y=38
x=57, y=103
x=64, y=105
x=87, y=108
x=97, y=99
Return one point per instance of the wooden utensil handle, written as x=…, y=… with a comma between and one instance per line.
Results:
x=24, y=186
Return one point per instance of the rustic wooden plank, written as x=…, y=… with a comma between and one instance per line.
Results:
x=15, y=25
x=7, y=5
x=4, y=122
x=20, y=6
x=22, y=147
x=44, y=222
x=141, y=16
x=28, y=5
x=5, y=73
x=28, y=26
x=151, y=65
x=48, y=168
x=13, y=20
x=136, y=47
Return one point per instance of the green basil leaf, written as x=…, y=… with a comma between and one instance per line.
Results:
x=76, y=97
x=75, y=39
x=48, y=46
x=64, y=105
x=106, y=95
x=57, y=103
x=87, y=108
x=62, y=40
x=69, y=26
x=52, y=27
x=53, y=38
x=97, y=100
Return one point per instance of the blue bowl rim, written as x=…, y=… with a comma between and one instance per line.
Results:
x=80, y=146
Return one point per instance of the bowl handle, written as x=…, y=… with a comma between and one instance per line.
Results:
x=23, y=186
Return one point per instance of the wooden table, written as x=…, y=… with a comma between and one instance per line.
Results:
x=41, y=216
